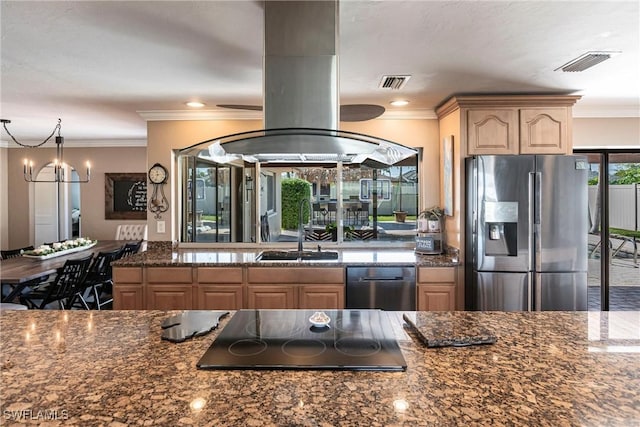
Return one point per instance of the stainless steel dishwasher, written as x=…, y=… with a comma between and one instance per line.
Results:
x=388, y=288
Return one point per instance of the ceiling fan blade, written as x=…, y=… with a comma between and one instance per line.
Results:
x=360, y=112
x=241, y=107
x=348, y=113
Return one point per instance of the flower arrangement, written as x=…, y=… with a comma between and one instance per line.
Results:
x=60, y=246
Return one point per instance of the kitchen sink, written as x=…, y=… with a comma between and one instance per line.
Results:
x=295, y=255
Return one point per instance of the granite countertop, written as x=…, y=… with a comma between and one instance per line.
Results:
x=112, y=368
x=243, y=257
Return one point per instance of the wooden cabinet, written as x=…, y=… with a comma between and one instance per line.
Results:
x=436, y=288
x=228, y=288
x=169, y=288
x=492, y=131
x=321, y=297
x=510, y=124
x=267, y=296
x=545, y=131
x=298, y=287
x=219, y=288
x=128, y=292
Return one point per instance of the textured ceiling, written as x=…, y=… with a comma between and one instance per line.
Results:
x=98, y=64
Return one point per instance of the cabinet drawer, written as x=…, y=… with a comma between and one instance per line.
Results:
x=436, y=274
x=278, y=275
x=127, y=274
x=219, y=275
x=169, y=275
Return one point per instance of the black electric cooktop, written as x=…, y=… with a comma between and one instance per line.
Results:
x=277, y=339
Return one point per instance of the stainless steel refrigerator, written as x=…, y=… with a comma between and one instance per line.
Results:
x=527, y=226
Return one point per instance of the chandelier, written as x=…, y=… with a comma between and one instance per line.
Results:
x=58, y=163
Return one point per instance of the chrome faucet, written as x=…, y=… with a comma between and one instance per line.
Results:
x=300, y=224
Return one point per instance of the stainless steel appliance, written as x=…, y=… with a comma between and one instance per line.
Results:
x=526, y=233
x=285, y=339
x=388, y=288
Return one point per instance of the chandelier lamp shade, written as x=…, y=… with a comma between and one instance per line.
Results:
x=59, y=165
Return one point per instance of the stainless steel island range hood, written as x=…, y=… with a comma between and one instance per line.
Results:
x=301, y=97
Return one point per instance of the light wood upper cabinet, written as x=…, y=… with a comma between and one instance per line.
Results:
x=512, y=124
x=544, y=131
x=493, y=131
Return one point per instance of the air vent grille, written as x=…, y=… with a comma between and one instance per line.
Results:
x=393, y=82
x=585, y=61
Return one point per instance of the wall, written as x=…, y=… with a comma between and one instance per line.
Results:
x=606, y=132
x=4, y=200
x=20, y=196
x=166, y=136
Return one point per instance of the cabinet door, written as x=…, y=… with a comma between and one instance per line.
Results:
x=271, y=297
x=321, y=297
x=544, y=131
x=219, y=297
x=492, y=131
x=436, y=298
x=169, y=297
x=128, y=297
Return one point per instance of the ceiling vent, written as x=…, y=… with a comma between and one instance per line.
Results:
x=393, y=82
x=585, y=61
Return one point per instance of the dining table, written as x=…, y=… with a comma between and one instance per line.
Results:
x=22, y=271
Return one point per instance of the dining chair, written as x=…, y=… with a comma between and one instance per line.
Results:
x=99, y=280
x=64, y=288
x=131, y=232
x=13, y=253
x=6, y=291
x=129, y=249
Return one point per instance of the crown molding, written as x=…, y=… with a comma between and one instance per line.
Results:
x=85, y=143
x=161, y=115
x=613, y=111
x=425, y=114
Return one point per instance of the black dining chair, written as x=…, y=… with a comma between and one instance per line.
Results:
x=129, y=249
x=14, y=253
x=64, y=289
x=99, y=280
x=6, y=291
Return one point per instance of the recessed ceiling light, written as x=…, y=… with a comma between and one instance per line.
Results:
x=399, y=103
x=195, y=104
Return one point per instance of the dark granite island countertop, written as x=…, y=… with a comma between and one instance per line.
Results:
x=112, y=368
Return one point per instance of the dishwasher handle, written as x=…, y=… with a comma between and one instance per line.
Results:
x=384, y=279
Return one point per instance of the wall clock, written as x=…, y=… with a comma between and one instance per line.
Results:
x=158, y=202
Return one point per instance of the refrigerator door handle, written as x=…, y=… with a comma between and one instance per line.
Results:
x=537, y=291
x=533, y=293
x=537, y=227
x=530, y=220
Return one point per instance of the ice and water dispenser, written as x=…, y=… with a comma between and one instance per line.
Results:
x=501, y=228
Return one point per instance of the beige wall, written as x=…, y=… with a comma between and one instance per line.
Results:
x=4, y=200
x=606, y=132
x=166, y=136
x=20, y=196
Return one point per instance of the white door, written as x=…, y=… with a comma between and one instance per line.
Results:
x=46, y=207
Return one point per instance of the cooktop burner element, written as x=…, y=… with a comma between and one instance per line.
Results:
x=284, y=339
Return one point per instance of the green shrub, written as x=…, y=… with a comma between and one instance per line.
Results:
x=294, y=190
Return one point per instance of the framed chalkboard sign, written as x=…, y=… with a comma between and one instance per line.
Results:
x=125, y=196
